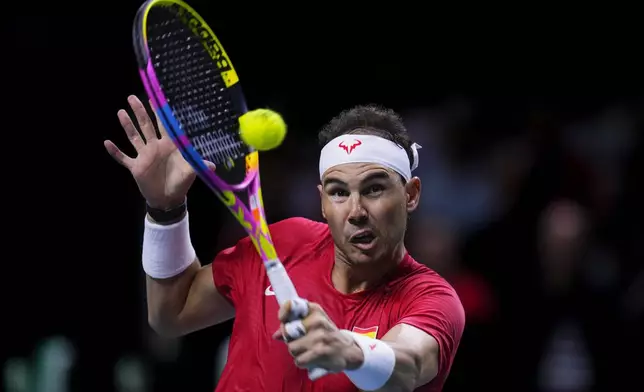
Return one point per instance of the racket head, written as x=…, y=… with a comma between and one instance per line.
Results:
x=196, y=94
x=193, y=85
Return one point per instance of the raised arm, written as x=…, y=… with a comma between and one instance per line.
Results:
x=181, y=295
x=185, y=302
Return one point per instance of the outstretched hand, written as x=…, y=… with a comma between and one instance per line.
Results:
x=160, y=171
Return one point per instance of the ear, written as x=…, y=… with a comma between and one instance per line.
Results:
x=321, y=199
x=412, y=191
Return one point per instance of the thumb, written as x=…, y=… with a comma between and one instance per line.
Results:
x=210, y=165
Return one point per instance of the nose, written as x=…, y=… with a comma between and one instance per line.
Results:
x=357, y=213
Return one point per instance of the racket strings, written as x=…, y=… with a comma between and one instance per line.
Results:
x=194, y=87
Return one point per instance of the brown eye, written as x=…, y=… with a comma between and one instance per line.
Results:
x=335, y=193
x=375, y=190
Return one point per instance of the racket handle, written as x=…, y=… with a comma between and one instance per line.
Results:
x=285, y=291
x=282, y=285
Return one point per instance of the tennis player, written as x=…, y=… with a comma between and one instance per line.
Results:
x=378, y=319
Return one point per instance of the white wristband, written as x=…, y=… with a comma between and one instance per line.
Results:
x=167, y=249
x=378, y=364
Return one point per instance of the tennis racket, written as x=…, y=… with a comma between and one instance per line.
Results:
x=195, y=92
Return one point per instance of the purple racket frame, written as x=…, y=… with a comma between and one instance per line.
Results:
x=254, y=222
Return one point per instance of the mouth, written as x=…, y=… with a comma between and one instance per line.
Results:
x=363, y=239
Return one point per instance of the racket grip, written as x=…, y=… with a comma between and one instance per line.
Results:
x=282, y=285
x=285, y=291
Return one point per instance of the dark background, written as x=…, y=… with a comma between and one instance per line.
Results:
x=531, y=123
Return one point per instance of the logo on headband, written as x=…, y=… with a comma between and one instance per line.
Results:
x=351, y=147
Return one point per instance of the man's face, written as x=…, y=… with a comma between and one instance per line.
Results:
x=366, y=207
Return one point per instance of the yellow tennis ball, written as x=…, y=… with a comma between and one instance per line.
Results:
x=262, y=129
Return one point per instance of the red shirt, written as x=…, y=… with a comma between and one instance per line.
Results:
x=414, y=295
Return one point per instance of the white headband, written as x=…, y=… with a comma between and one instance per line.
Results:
x=367, y=149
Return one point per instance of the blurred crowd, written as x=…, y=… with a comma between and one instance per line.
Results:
x=533, y=213
x=535, y=218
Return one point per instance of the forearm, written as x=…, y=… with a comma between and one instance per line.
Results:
x=166, y=299
x=182, y=296
x=171, y=265
x=407, y=372
x=404, y=359
x=404, y=377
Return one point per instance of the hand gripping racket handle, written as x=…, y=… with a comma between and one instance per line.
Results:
x=285, y=291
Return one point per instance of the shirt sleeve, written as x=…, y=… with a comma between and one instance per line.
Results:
x=230, y=266
x=437, y=310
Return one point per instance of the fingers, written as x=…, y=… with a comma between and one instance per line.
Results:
x=130, y=130
x=299, y=308
x=293, y=309
x=306, y=343
x=304, y=360
x=278, y=335
x=290, y=331
x=310, y=338
x=294, y=330
x=314, y=355
x=145, y=124
x=284, y=312
x=210, y=165
x=117, y=154
x=317, y=320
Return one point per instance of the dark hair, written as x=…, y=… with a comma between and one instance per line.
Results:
x=368, y=119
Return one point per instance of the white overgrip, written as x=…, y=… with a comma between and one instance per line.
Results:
x=281, y=282
x=285, y=291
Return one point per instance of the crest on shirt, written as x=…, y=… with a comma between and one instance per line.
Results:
x=371, y=332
